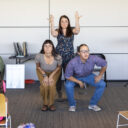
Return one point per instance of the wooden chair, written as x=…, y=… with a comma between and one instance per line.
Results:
x=123, y=114
x=3, y=112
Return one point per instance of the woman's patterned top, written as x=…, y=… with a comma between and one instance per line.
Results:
x=65, y=48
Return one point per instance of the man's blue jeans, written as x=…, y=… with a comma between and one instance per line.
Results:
x=100, y=86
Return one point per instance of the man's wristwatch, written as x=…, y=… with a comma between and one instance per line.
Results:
x=44, y=75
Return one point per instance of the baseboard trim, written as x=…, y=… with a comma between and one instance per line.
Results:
x=117, y=80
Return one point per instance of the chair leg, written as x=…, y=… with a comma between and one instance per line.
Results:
x=105, y=79
x=118, y=119
x=126, y=85
x=10, y=121
x=6, y=122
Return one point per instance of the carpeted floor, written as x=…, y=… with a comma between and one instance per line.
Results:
x=25, y=104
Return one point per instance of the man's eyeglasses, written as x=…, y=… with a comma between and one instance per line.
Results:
x=84, y=51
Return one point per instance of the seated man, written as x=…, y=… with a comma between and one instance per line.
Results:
x=79, y=71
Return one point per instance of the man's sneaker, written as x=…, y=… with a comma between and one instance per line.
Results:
x=72, y=109
x=94, y=108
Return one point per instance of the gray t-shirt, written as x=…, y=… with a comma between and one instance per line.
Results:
x=48, y=67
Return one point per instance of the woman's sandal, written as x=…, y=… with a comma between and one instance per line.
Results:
x=44, y=108
x=52, y=108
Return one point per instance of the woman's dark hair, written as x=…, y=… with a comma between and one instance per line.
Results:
x=78, y=48
x=53, y=48
x=69, y=28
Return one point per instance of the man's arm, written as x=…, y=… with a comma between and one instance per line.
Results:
x=102, y=71
x=73, y=79
x=70, y=72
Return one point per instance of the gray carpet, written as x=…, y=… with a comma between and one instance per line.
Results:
x=25, y=104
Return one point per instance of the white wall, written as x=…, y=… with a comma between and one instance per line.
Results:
x=23, y=12
x=117, y=66
x=94, y=12
x=104, y=27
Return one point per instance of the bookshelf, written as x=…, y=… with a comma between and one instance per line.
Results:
x=23, y=59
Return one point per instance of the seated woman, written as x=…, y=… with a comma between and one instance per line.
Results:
x=48, y=67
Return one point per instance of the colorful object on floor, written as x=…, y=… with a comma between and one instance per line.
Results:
x=29, y=81
x=28, y=125
x=1, y=118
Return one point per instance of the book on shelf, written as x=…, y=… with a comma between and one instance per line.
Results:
x=20, y=51
x=16, y=49
x=24, y=48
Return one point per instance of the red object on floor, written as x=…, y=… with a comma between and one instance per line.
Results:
x=29, y=81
